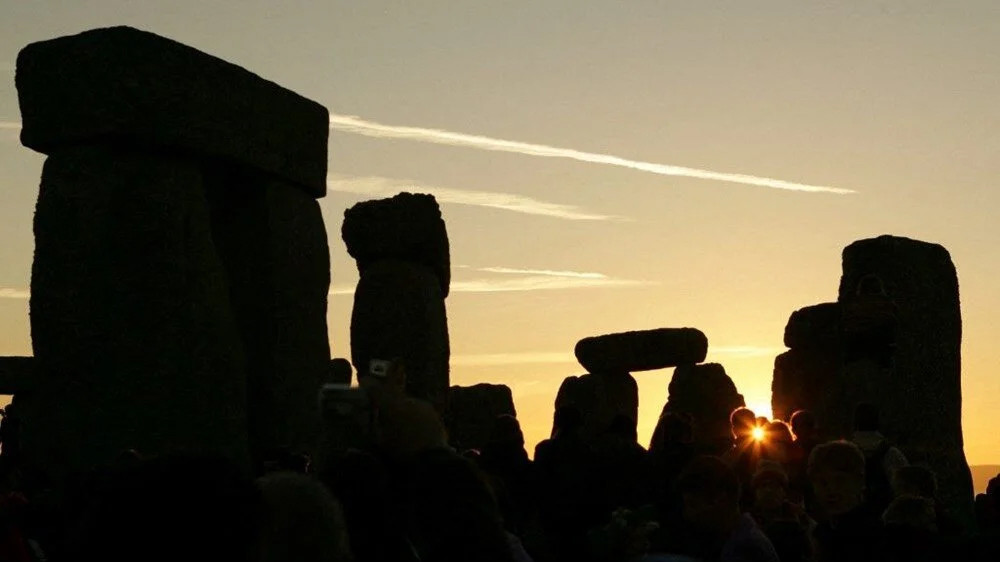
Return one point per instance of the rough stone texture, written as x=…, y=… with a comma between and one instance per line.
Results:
x=472, y=411
x=126, y=84
x=399, y=313
x=920, y=393
x=708, y=395
x=600, y=397
x=407, y=227
x=801, y=378
x=341, y=371
x=643, y=350
x=17, y=374
x=814, y=327
x=272, y=243
x=131, y=320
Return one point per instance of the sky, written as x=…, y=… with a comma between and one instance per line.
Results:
x=584, y=155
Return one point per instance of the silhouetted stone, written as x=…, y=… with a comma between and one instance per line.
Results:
x=920, y=391
x=17, y=374
x=600, y=397
x=122, y=84
x=801, y=377
x=407, y=227
x=341, y=371
x=181, y=269
x=472, y=411
x=708, y=395
x=399, y=313
x=643, y=350
x=816, y=326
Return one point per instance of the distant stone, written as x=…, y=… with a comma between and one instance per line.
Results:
x=642, y=350
x=814, y=326
x=399, y=313
x=122, y=84
x=341, y=371
x=708, y=395
x=472, y=411
x=407, y=227
x=600, y=397
x=801, y=379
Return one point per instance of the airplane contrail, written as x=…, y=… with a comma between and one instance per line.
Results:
x=10, y=125
x=354, y=124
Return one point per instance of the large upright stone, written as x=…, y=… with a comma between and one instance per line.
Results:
x=181, y=269
x=707, y=394
x=642, y=350
x=600, y=398
x=401, y=248
x=472, y=412
x=906, y=292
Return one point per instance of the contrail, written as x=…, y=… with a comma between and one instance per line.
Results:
x=10, y=125
x=353, y=124
x=544, y=272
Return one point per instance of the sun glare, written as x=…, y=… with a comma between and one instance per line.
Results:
x=758, y=434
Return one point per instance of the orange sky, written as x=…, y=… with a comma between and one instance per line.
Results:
x=895, y=100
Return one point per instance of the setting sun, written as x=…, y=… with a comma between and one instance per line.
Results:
x=758, y=434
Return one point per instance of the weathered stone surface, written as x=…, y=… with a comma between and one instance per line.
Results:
x=341, y=371
x=816, y=326
x=407, y=227
x=472, y=411
x=137, y=87
x=271, y=240
x=17, y=374
x=600, y=397
x=131, y=318
x=642, y=350
x=399, y=313
x=920, y=390
x=801, y=378
x=708, y=395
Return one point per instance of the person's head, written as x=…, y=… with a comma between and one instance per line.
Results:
x=837, y=473
x=913, y=512
x=567, y=419
x=762, y=421
x=506, y=432
x=623, y=427
x=914, y=480
x=303, y=520
x=777, y=431
x=804, y=424
x=743, y=420
x=710, y=491
x=407, y=426
x=866, y=417
x=770, y=485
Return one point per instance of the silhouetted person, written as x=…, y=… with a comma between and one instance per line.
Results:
x=785, y=523
x=303, y=521
x=881, y=458
x=849, y=528
x=623, y=471
x=670, y=450
x=919, y=481
x=710, y=493
x=988, y=519
x=510, y=472
x=777, y=443
x=805, y=430
x=911, y=532
x=746, y=451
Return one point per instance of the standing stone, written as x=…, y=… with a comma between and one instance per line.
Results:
x=472, y=411
x=401, y=247
x=811, y=368
x=600, y=397
x=908, y=292
x=642, y=350
x=707, y=394
x=181, y=268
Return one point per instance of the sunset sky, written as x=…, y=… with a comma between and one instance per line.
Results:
x=583, y=223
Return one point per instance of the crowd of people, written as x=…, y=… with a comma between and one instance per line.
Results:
x=393, y=490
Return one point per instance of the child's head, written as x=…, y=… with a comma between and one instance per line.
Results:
x=770, y=485
x=837, y=473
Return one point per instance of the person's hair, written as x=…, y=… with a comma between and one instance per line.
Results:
x=838, y=456
x=707, y=477
x=778, y=430
x=567, y=418
x=304, y=520
x=915, y=480
x=866, y=417
x=911, y=511
x=802, y=421
x=769, y=471
x=742, y=420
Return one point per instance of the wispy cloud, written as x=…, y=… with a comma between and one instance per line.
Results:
x=10, y=126
x=9, y=293
x=380, y=186
x=354, y=124
x=522, y=280
x=520, y=358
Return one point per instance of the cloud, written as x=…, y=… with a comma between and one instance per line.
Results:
x=520, y=358
x=380, y=186
x=523, y=280
x=357, y=125
x=10, y=126
x=8, y=293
